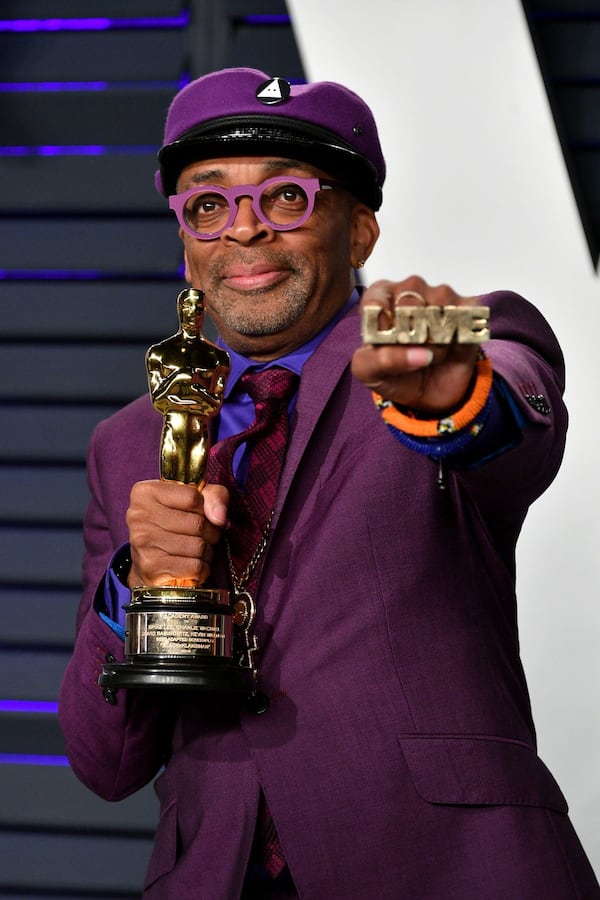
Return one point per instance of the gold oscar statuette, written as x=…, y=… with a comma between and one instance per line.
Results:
x=180, y=635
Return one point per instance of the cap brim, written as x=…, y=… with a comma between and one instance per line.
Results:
x=254, y=138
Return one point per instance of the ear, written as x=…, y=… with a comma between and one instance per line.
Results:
x=363, y=235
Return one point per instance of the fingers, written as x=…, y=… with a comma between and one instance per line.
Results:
x=171, y=535
x=396, y=373
x=426, y=377
x=388, y=294
x=437, y=317
x=372, y=365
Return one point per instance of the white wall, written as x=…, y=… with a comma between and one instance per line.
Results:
x=478, y=196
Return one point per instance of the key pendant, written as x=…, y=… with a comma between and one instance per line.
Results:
x=246, y=659
x=244, y=620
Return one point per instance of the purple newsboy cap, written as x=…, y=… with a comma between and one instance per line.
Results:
x=246, y=112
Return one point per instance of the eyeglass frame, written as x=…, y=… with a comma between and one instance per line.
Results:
x=310, y=186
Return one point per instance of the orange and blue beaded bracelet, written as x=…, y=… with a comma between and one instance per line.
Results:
x=450, y=434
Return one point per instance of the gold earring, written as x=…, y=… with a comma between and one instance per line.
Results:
x=360, y=264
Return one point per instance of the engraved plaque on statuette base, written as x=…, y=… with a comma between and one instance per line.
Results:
x=181, y=638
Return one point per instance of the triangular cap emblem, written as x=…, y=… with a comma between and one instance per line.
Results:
x=273, y=91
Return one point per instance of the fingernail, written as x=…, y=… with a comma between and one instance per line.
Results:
x=220, y=513
x=419, y=357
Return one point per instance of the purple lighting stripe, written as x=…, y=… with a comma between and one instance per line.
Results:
x=87, y=275
x=29, y=706
x=32, y=759
x=13, y=87
x=50, y=274
x=76, y=150
x=93, y=24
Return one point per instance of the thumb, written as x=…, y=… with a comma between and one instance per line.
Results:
x=216, y=498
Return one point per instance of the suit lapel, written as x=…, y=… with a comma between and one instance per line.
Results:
x=320, y=376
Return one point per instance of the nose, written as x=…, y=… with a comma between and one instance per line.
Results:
x=246, y=227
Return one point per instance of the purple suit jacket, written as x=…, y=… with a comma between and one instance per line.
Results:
x=398, y=753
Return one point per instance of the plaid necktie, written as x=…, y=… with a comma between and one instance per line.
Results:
x=250, y=513
x=251, y=507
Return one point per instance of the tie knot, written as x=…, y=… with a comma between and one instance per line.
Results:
x=273, y=384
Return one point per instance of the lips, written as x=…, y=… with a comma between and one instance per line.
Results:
x=253, y=276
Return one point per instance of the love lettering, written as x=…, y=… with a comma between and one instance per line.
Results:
x=425, y=325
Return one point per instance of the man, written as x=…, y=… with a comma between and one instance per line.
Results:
x=397, y=756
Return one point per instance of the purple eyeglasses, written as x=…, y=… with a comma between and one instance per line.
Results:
x=283, y=203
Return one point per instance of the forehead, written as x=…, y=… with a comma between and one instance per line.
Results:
x=243, y=170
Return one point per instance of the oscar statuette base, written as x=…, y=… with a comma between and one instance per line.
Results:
x=182, y=638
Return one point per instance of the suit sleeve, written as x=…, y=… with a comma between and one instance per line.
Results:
x=114, y=747
x=525, y=353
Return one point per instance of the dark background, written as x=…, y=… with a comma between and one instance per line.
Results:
x=90, y=266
